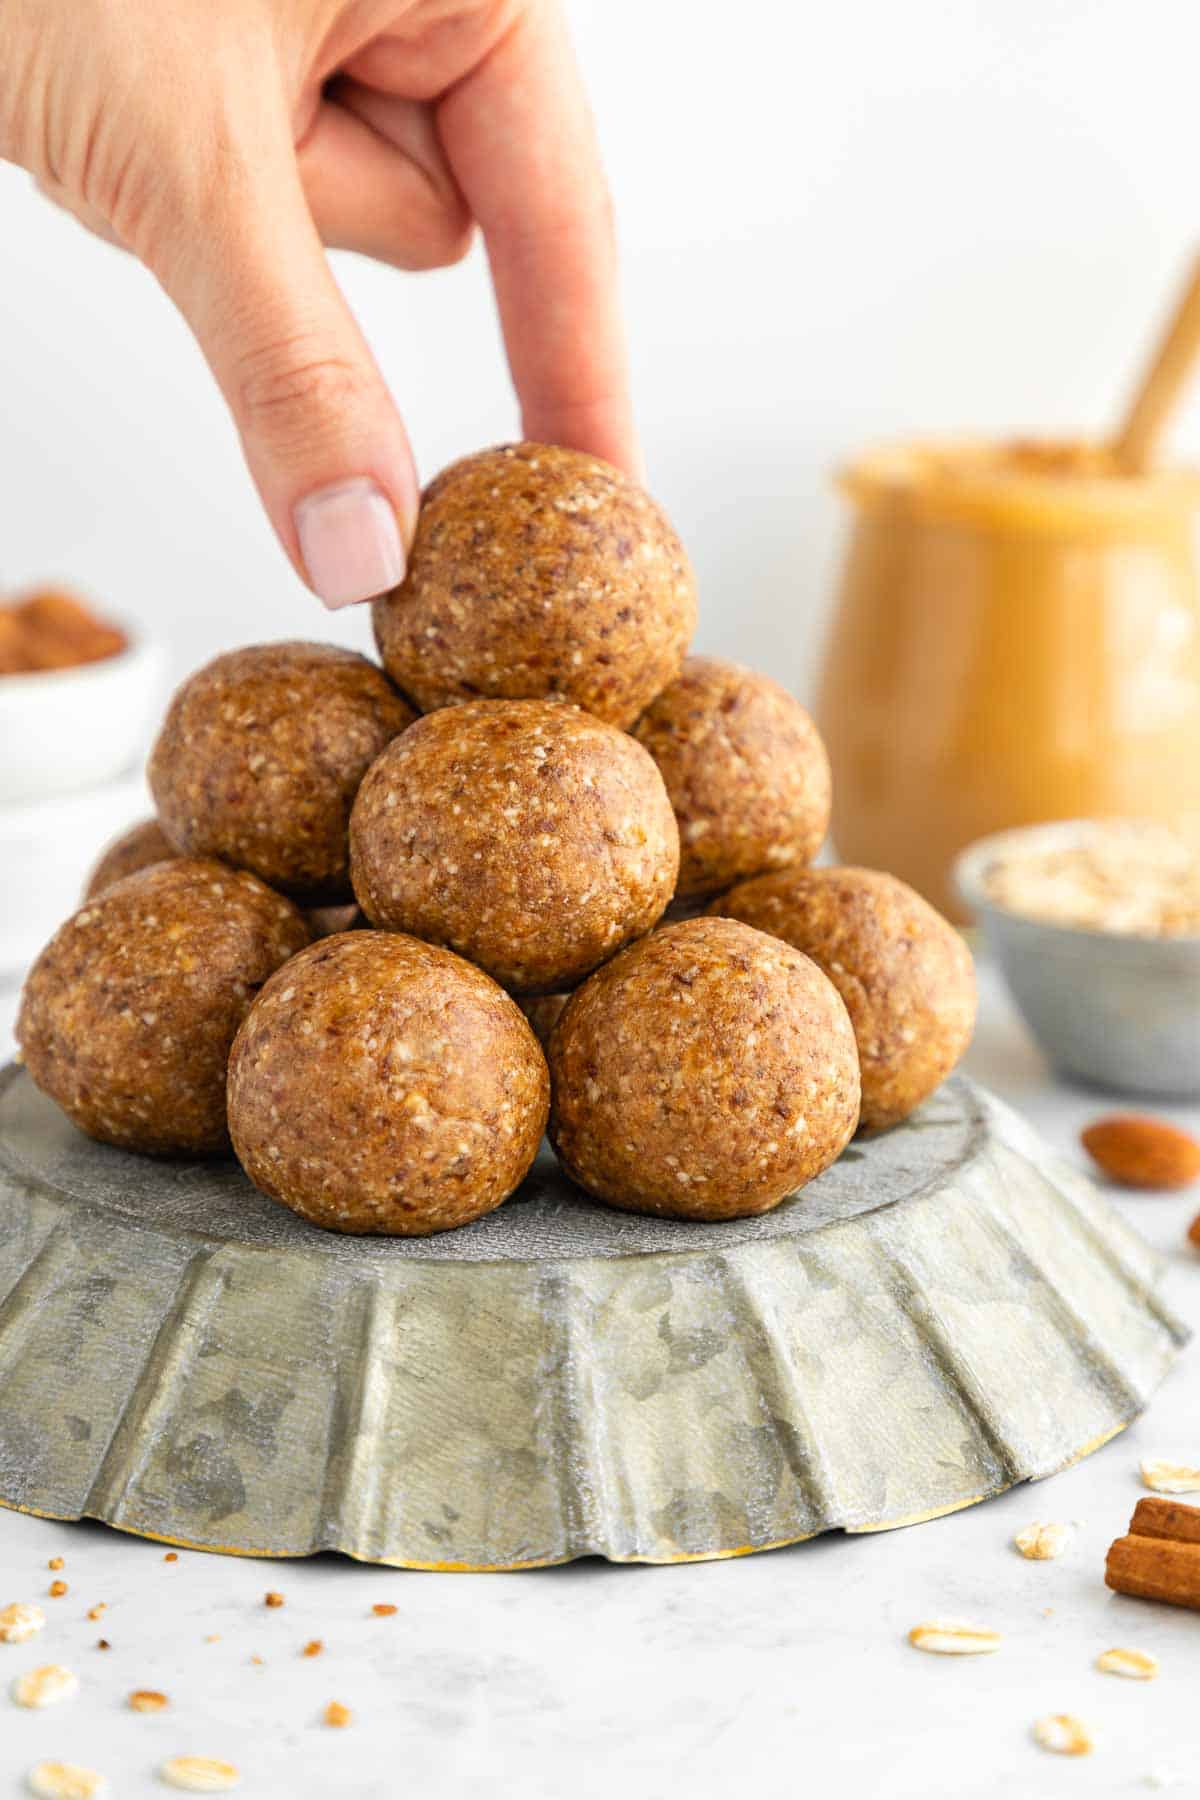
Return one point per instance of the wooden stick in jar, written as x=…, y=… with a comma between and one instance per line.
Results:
x=1162, y=384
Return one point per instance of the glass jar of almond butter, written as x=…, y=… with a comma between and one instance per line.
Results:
x=1017, y=639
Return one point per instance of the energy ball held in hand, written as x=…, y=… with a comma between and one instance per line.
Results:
x=524, y=834
x=905, y=973
x=384, y=1085
x=128, y=1014
x=539, y=572
x=260, y=757
x=746, y=771
x=704, y=1073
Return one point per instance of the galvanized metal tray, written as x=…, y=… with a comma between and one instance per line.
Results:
x=947, y=1311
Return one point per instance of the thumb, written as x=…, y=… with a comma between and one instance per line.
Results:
x=322, y=437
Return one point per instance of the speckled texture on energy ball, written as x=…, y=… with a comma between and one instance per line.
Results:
x=138, y=848
x=705, y=1073
x=260, y=757
x=538, y=572
x=384, y=1085
x=129, y=1012
x=746, y=771
x=525, y=834
x=144, y=844
x=905, y=973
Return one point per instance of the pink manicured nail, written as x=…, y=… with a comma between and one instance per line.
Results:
x=350, y=542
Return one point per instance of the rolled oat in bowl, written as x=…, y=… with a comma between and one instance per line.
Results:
x=1134, y=877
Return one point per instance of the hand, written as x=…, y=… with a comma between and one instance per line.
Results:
x=224, y=142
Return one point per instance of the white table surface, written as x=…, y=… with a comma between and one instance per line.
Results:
x=776, y=1676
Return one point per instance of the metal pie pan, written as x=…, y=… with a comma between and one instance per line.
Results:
x=947, y=1311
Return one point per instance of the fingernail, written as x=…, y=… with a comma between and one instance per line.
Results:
x=350, y=542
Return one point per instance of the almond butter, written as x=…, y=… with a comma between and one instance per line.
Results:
x=1137, y=1151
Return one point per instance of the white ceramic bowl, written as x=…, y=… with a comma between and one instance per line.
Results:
x=64, y=730
x=1108, y=1008
x=47, y=850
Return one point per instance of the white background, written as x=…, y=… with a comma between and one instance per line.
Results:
x=839, y=222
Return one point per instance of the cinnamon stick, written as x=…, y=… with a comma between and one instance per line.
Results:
x=1159, y=1557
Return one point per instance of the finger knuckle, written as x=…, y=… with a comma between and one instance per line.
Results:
x=293, y=389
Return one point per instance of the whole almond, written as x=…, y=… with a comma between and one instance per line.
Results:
x=1137, y=1151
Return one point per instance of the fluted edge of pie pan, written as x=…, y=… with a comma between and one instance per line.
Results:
x=949, y=1311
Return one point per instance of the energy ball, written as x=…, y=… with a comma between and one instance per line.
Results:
x=527, y=835
x=145, y=844
x=135, y=849
x=383, y=1085
x=539, y=572
x=260, y=758
x=129, y=1012
x=705, y=1073
x=904, y=972
x=746, y=771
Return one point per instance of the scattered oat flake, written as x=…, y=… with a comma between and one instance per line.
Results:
x=258, y=1661
x=314, y=1647
x=45, y=1686
x=171, y=1556
x=1043, y=1542
x=147, y=1700
x=337, y=1715
x=57, y=1589
x=271, y=1598
x=200, y=1774
x=19, y=1622
x=65, y=1781
x=56, y=1562
x=214, y=1637
x=950, y=1637
x=1168, y=1477
x=383, y=1611
x=1063, y=1734
x=1138, y=1665
x=98, y=1611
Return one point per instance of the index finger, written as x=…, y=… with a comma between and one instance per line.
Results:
x=519, y=136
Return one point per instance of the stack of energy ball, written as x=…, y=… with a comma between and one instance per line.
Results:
x=504, y=815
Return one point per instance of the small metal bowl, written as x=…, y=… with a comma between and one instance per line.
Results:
x=1109, y=1008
